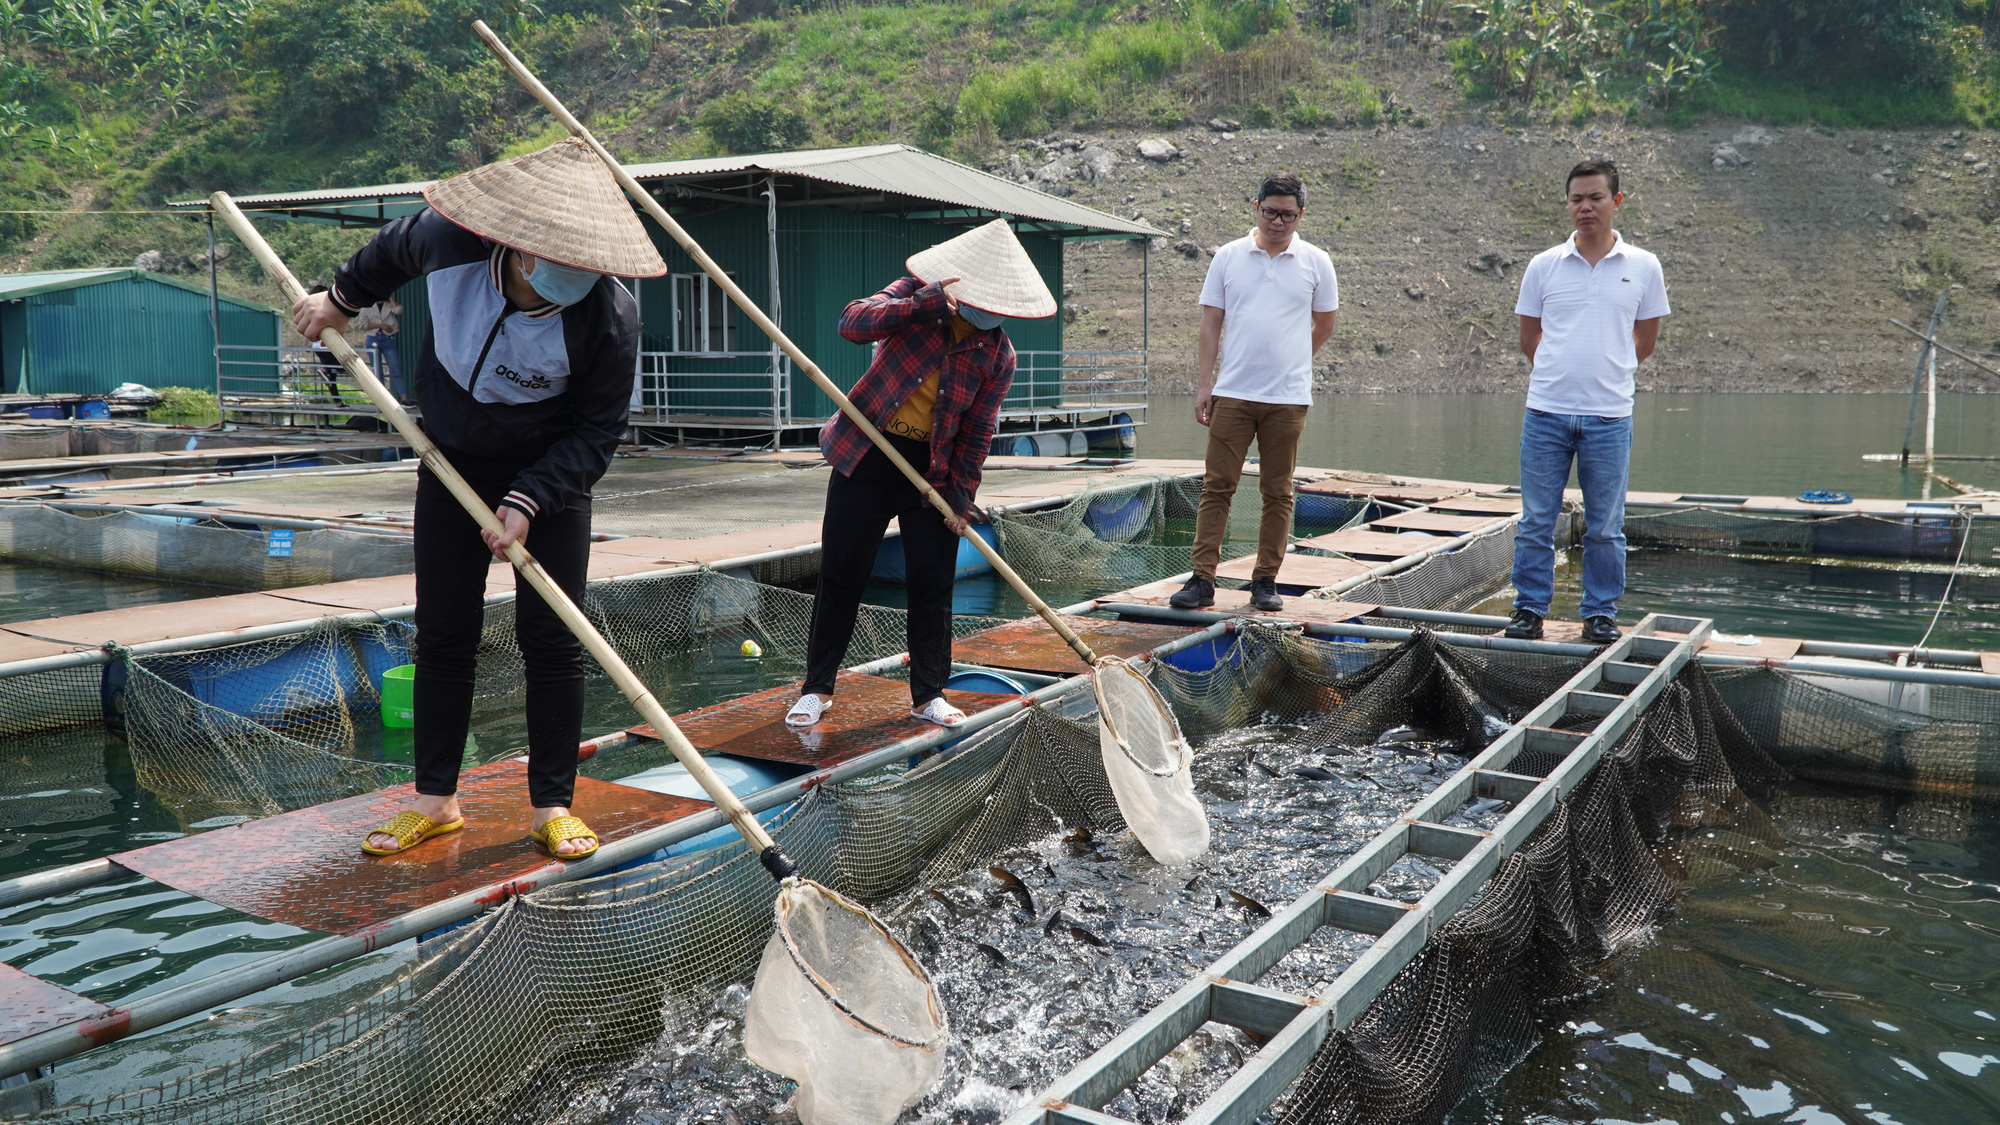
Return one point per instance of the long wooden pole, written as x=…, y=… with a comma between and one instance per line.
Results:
x=572, y=617
x=1916, y=380
x=728, y=285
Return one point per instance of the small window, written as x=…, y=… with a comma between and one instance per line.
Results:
x=704, y=322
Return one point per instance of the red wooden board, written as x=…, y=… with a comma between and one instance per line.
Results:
x=869, y=712
x=1030, y=645
x=29, y=1005
x=306, y=868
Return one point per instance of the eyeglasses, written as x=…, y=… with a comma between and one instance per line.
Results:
x=1277, y=216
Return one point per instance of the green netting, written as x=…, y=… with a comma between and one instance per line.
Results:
x=1133, y=530
x=204, y=552
x=272, y=725
x=1453, y=580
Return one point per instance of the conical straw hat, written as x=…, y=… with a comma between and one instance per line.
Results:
x=993, y=270
x=560, y=204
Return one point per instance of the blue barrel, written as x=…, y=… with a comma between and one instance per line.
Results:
x=1117, y=518
x=992, y=683
x=1123, y=436
x=744, y=776
x=93, y=409
x=891, y=567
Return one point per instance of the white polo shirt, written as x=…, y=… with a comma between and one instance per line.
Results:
x=1267, y=305
x=1586, y=359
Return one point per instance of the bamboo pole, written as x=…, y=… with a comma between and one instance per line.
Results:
x=607, y=657
x=764, y=323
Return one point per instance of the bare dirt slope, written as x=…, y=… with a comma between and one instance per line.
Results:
x=1785, y=255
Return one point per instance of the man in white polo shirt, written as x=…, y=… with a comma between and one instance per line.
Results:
x=1590, y=313
x=1277, y=294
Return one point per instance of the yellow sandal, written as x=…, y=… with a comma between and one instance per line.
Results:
x=563, y=828
x=410, y=828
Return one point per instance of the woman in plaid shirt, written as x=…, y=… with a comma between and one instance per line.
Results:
x=934, y=390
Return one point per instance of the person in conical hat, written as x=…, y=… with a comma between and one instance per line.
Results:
x=524, y=380
x=934, y=390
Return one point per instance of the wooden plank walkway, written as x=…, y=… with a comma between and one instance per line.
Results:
x=1029, y=645
x=1370, y=544
x=306, y=868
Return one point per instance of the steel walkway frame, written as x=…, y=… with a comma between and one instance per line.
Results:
x=1294, y=1026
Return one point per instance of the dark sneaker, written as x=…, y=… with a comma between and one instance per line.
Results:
x=1264, y=595
x=1526, y=625
x=1198, y=592
x=1599, y=631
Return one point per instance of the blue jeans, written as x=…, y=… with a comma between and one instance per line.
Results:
x=1602, y=449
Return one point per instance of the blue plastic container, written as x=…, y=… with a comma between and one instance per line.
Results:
x=93, y=409
x=1115, y=519
x=744, y=776
x=993, y=683
x=890, y=565
x=44, y=412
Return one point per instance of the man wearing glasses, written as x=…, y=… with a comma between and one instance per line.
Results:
x=1277, y=293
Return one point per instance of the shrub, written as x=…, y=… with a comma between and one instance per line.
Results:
x=185, y=402
x=743, y=121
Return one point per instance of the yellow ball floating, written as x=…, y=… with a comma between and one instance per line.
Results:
x=752, y=649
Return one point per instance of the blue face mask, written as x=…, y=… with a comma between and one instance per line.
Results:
x=561, y=285
x=980, y=318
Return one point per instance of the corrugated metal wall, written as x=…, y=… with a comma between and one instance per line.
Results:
x=89, y=339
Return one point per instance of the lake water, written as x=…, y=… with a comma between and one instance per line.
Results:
x=1759, y=444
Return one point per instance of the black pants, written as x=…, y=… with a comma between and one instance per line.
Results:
x=858, y=510
x=452, y=562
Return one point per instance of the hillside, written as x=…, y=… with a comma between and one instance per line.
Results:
x=1414, y=120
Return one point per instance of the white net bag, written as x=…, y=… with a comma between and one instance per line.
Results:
x=842, y=1008
x=1149, y=764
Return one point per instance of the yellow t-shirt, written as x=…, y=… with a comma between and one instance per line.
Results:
x=913, y=419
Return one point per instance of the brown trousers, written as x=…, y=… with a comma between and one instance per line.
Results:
x=1277, y=428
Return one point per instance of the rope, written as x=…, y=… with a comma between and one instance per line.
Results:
x=1953, y=577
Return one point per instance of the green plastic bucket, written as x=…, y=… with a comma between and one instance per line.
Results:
x=398, y=706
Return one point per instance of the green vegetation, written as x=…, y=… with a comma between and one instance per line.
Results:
x=184, y=404
x=1836, y=62
x=119, y=105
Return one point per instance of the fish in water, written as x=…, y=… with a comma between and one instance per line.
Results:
x=1078, y=836
x=1267, y=771
x=1395, y=735
x=1012, y=884
x=998, y=957
x=1049, y=930
x=1315, y=773
x=1250, y=904
x=1088, y=938
x=1483, y=806
x=1191, y=883
x=957, y=911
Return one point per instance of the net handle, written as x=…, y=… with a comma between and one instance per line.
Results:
x=1111, y=726
x=825, y=989
x=433, y=459
x=764, y=324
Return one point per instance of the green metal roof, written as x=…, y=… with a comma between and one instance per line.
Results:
x=892, y=177
x=14, y=286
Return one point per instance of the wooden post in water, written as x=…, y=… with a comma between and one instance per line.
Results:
x=1916, y=380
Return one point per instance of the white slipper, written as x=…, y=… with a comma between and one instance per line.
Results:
x=808, y=710
x=939, y=712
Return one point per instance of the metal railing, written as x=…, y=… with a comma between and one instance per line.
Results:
x=1079, y=381
x=291, y=380
x=749, y=387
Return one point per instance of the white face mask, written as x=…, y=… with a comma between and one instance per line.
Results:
x=980, y=318
x=562, y=285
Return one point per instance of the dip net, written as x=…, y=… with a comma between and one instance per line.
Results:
x=524, y=1012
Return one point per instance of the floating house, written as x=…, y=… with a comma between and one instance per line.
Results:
x=803, y=233
x=83, y=332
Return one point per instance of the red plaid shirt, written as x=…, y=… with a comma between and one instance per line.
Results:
x=913, y=323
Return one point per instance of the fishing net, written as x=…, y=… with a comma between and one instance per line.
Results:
x=204, y=552
x=1148, y=763
x=1591, y=882
x=1133, y=530
x=1933, y=539
x=842, y=1008
x=266, y=726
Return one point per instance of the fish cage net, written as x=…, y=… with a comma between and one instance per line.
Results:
x=1944, y=538
x=266, y=726
x=1131, y=531
x=1470, y=572
x=205, y=551
x=523, y=1012
x=525, y=1009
